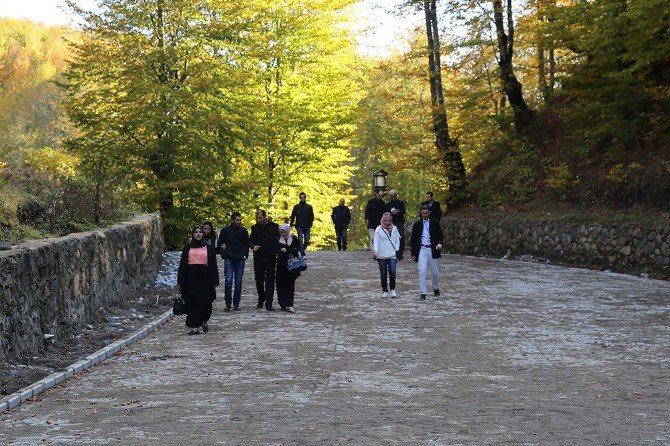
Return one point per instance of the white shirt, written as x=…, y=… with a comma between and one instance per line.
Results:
x=425, y=235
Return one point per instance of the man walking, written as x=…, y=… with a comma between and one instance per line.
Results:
x=434, y=206
x=397, y=209
x=263, y=241
x=341, y=217
x=373, y=213
x=234, y=248
x=302, y=219
x=426, y=247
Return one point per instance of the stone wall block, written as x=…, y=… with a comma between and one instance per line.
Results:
x=617, y=247
x=54, y=286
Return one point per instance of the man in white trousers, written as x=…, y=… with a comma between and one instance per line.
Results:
x=426, y=248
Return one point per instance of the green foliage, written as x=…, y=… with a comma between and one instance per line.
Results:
x=510, y=171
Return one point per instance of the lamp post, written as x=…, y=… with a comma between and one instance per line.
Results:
x=380, y=180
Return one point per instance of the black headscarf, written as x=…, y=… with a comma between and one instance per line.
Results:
x=197, y=243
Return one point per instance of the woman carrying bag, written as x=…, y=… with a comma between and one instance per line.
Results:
x=288, y=247
x=197, y=276
x=385, y=243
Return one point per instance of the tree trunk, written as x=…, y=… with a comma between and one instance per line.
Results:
x=511, y=85
x=453, y=162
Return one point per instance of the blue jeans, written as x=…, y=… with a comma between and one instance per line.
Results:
x=234, y=269
x=387, y=265
x=303, y=239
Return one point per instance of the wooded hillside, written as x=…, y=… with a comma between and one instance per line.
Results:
x=197, y=109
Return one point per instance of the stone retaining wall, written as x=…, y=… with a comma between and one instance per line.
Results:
x=623, y=248
x=55, y=285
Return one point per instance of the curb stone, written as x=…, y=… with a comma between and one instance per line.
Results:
x=15, y=399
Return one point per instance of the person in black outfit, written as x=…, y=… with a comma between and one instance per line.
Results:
x=435, y=211
x=197, y=276
x=287, y=247
x=263, y=241
x=373, y=213
x=234, y=248
x=209, y=237
x=396, y=208
x=302, y=219
x=341, y=217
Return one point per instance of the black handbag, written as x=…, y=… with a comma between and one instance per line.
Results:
x=296, y=264
x=179, y=306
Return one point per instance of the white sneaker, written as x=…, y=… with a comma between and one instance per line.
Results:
x=393, y=293
x=385, y=294
x=291, y=310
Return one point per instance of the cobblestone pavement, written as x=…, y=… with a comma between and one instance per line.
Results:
x=511, y=353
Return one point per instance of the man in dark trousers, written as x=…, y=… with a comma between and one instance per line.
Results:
x=234, y=248
x=397, y=209
x=426, y=248
x=373, y=213
x=435, y=211
x=263, y=241
x=341, y=217
x=302, y=219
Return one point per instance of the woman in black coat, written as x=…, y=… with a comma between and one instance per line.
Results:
x=288, y=247
x=197, y=276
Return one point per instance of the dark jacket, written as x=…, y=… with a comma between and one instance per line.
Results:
x=436, y=238
x=398, y=219
x=236, y=241
x=374, y=211
x=435, y=210
x=302, y=216
x=292, y=250
x=264, y=236
x=212, y=267
x=341, y=216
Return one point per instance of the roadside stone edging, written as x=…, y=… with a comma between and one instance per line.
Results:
x=20, y=396
x=628, y=248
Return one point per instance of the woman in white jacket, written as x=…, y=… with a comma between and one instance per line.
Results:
x=385, y=243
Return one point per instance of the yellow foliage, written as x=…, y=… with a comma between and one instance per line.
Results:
x=52, y=162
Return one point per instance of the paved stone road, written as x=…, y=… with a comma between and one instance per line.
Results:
x=510, y=354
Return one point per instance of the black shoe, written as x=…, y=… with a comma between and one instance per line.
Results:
x=194, y=332
x=269, y=309
x=259, y=305
x=237, y=308
x=423, y=297
x=436, y=291
x=227, y=309
x=205, y=328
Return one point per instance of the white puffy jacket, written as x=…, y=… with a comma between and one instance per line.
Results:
x=382, y=246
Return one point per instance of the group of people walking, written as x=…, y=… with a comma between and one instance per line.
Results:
x=273, y=246
x=387, y=239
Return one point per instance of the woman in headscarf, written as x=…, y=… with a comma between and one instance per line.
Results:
x=197, y=276
x=385, y=243
x=288, y=247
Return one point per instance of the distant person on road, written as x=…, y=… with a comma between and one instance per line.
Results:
x=234, y=248
x=209, y=236
x=197, y=276
x=434, y=206
x=263, y=242
x=373, y=213
x=426, y=248
x=341, y=217
x=287, y=247
x=397, y=209
x=302, y=219
x=384, y=246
